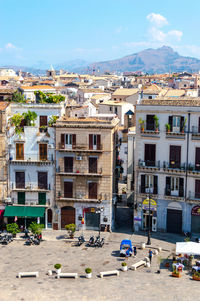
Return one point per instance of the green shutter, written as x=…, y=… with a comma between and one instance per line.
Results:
x=21, y=198
x=42, y=198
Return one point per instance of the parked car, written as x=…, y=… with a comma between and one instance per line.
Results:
x=126, y=248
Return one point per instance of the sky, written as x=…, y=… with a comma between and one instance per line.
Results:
x=56, y=31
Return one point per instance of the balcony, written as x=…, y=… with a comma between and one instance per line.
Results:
x=30, y=187
x=79, y=148
x=195, y=133
x=79, y=197
x=176, y=134
x=174, y=167
x=30, y=202
x=78, y=172
x=194, y=169
x=31, y=159
x=174, y=194
x=145, y=190
x=148, y=132
x=148, y=164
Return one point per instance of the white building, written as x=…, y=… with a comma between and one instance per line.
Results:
x=32, y=163
x=167, y=165
x=29, y=91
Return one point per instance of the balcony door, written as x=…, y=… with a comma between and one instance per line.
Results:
x=20, y=179
x=42, y=180
x=150, y=124
x=197, y=159
x=92, y=165
x=68, y=164
x=92, y=190
x=175, y=156
x=68, y=189
x=174, y=186
x=197, y=189
x=43, y=152
x=150, y=154
x=19, y=151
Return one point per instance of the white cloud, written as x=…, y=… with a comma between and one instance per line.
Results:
x=157, y=19
x=177, y=34
x=10, y=46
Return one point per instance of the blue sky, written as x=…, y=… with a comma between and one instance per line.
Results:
x=55, y=31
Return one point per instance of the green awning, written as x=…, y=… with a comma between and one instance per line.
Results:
x=23, y=211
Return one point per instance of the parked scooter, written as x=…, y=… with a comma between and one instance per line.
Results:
x=99, y=242
x=6, y=239
x=81, y=240
x=91, y=241
x=33, y=240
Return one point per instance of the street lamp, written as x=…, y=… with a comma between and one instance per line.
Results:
x=99, y=210
x=149, y=230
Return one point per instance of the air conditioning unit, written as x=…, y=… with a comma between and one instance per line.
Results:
x=50, y=146
x=79, y=158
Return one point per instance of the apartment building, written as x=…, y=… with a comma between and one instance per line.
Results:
x=4, y=111
x=85, y=171
x=32, y=165
x=167, y=165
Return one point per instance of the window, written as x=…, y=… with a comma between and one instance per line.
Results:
x=174, y=186
x=20, y=179
x=68, y=141
x=110, y=109
x=116, y=110
x=68, y=164
x=42, y=180
x=149, y=181
x=197, y=159
x=94, y=141
x=19, y=151
x=92, y=165
x=150, y=97
x=43, y=121
x=68, y=189
x=150, y=124
x=21, y=198
x=175, y=156
x=42, y=198
x=43, y=152
x=176, y=123
x=92, y=190
x=150, y=154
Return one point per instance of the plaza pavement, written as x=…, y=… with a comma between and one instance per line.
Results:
x=143, y=284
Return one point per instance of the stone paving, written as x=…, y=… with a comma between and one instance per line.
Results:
x=143, y=284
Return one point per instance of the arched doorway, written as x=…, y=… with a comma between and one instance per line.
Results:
x=195, y=220
x=67, y=216
x=49, y=218
x=174, y=218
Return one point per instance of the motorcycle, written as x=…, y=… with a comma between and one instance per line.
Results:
x=6, y=239
x=99, y=242
x=81, y=240
x=91, y=241
x=33, y=240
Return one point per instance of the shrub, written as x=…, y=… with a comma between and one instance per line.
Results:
x=36, y=228
x=12, y=228
x=88, y=270
x=124, y=264
x=57, y=266
x=71, y=228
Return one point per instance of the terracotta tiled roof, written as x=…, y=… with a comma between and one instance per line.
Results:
x=38, y=87
x=172, y=101
x=125, y=92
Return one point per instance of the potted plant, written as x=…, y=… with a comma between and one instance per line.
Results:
x=156, y=120
x=176, y=274
x=13, y=229
x=124, y=266
x=184, y=124
x=167, y=126
x=36, y=228
x=71, y=228
x=196, y=276
x=141, y=122
x=88, y=272
x=57, y=266
x=43, y=129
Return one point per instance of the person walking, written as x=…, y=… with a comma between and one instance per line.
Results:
x=150, y=255
x=135, y=250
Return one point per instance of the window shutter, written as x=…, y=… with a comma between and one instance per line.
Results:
x=168, y=185
x=170, y=122
x=90, y=141
x=142, y=183
x=181, y=187
x=74, y=141
x=199, y=126
x=182, y=124
x=62, y=140
x=155, y=180
x=43, y=120
x=98, y=141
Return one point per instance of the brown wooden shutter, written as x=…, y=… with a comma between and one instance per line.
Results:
x=42, y=180
x=74, y=141
x=199, y=126
x=92, y=165
x=155, y=185
x=181, y=187
x=168, y=186
x=170, y=122
x=182, y=124
x=62, y=141
x=43, y=151
x=175, y=156
x=197, y=158
x=90, y=141
x=142, y=184
x=19, y=151
x=93, y=190
x=20, y=179
x=43, y=120
x=68, y=164
x=98, y=141
x=68, y=189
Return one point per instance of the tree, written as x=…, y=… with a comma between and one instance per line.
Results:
x=36, y=228
x=18, y=97
x=29, y=118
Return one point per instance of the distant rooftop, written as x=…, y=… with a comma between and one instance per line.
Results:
x=125, y=92
x=172, y=101
x=87, y=122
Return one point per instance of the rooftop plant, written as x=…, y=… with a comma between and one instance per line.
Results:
x=42, y=97
x=18, y=97
x=52, y=120
x=29, y=118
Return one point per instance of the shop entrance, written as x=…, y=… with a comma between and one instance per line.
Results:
x=195, y=220
x=92, y=220
x=67, y=216
x=174, y=221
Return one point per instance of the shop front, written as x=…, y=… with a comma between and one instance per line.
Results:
x=24, y=215
x=149, y=214
x=195, y=219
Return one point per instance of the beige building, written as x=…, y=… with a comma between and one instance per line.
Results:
x=85, y=171
x=4, y=110
x=128, y=95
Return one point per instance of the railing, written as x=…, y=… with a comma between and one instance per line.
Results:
x=148, y=163
x=180, y=132
x=31, y=202
x=79, y=147
x=153, y=190
x=32, y=157
x=78, y=171
x=80, y=196
x=174, y=165
x=178, y=193
x=30, y=186
x=153, y=131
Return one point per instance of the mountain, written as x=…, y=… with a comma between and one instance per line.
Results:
x=35, y=71
x=72, y=66
x=159, y=60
